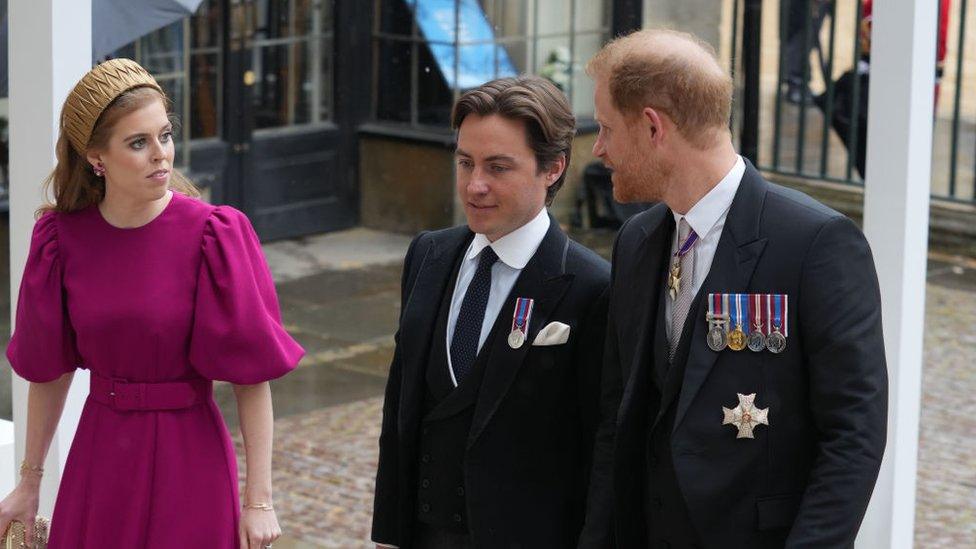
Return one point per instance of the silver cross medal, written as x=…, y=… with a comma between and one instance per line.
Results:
x=674, y=280
x=745, y=416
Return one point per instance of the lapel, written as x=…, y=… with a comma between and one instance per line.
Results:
x=419, y=314
x=642, y=296
x=543, y=279
x=658, y=331
x=437, y=372
x=738, y=252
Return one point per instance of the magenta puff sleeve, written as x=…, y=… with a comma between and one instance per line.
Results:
x=42, y=347
x=237, y=331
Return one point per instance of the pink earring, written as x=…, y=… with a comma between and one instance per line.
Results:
x=99, y=170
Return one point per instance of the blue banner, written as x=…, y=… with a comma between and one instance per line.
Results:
x=479, y=59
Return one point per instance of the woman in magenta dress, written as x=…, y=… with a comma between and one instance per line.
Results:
x=157, y=294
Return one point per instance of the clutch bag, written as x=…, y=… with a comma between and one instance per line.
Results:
x=14, y=537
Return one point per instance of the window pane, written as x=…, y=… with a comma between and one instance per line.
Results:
x=206, y=72
x=553, y=60
x=205, y=96
x=205, y=26
x=161, y=52
x=434, y=96
x=396, y=17
x=586, y=47
x=553, y=17
x=392, y=85
x=292, y=63
x=322, y=96
x=497, y=38
x=518, y=53
x=280, y=91
x=592, y=16
x=508, y=17
x=480, y=63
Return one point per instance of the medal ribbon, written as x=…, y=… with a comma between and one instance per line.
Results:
x=744, y=319
x=777, y=312
x=737, y=320
x=757, y=322
x=786, y=317
x=716, y=306
x=523, y=308
x=687, y=245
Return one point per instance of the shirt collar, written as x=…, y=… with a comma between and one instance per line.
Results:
x=703, y=216
x=517, y=247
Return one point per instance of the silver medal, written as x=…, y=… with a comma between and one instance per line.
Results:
x=757, y=341
x=516, y=338
x=776, y=342
x=718, y=338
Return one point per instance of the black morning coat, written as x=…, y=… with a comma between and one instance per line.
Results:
x=805, y=479
x=528, y=451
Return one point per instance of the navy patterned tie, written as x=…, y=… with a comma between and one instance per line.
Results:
x=467, y=331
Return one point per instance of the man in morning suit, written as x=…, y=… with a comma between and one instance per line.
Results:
x=745, y=384
x=493, y=397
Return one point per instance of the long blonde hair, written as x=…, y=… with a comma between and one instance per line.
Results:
x=73, y=184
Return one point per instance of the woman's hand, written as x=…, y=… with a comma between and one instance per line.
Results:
x=259, y=528
x=21, y=505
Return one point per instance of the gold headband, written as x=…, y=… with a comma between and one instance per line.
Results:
x=95, y=91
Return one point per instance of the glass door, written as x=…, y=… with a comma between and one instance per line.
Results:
x=285, y=163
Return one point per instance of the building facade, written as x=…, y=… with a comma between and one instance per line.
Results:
x=318, y=115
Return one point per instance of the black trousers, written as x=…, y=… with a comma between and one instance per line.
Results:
x=430, y=537
x=796, y=51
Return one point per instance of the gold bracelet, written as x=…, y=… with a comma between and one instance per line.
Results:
x=25, y=468
x=259, y=506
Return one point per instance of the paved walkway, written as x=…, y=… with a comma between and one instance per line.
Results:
x=329, y=410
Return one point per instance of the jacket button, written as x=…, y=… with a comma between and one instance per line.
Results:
x=425, y=458
x=425, y=507
x=460, y=490
x=457, y=517
x=425, y=483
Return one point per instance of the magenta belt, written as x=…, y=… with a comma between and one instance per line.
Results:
x=132, y=396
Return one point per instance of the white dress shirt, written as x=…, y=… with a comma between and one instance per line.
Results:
x=707, y=219
x=514, y=251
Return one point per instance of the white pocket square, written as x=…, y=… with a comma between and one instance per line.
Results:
x=555, y=333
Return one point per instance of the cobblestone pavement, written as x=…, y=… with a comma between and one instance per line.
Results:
x=324, y=462
x=946, y=494
x=329, y=409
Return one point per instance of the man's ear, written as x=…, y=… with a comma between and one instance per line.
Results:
x=654, y=121
x=556, y=168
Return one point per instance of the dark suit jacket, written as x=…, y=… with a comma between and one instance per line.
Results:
x=530, y=444
x=806, y=479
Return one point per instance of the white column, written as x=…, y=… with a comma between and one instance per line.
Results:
x=896, y=221
x=49, y=50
